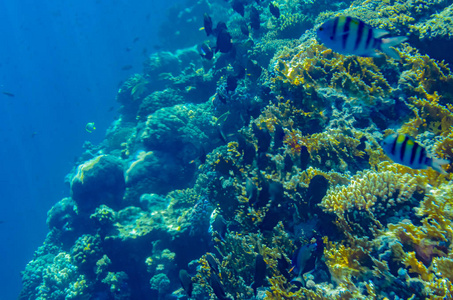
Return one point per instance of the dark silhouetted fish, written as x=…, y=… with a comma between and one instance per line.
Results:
x=126, y=67
x=260, y=272
x=279, y=135
x=255, y=18
x=136, y=39
x=275, y=11
x=202, y=156
x=207, y=22
x=212, y=262
x=238, y=6
x=245, y=29
x=186, y=282
x=283, y=266
x=220, y=27
x=240, y=71
x=304, y=157
x=206, y=51
x=247, y=149
x=224, y=44
x=232, y=83
x=288, y=162
x=317, y=190
x=217, y=287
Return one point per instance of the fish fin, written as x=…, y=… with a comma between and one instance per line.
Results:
x=392, y=42
x=298, y=280
x=436, y=164
x=378, y=33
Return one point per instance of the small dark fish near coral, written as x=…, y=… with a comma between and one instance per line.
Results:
x=275, y=11
x=126, y=67
x=186, y=282
x=217, y=287
x=232, y=83
x=255, y=18
x=238, y=6
x=212, y=262
x=206, y=51
x=207, y=22
x=402, y=149
x=218, y=225
x=347, y=35
x=224, y=44
x=260, y=273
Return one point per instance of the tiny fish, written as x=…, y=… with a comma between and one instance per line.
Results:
x=206, y=51
x=89, y=127
x=126, y=67
x=347, y=35
x=9, y=94
x=402, y=149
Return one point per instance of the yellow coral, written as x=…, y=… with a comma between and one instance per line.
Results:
x=369, y=190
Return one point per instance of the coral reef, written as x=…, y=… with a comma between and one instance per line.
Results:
x=234, y=167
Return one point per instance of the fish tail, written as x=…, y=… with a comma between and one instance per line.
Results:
x=387, y=43
x=436, y=164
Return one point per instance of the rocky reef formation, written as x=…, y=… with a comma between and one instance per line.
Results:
x=262, y=154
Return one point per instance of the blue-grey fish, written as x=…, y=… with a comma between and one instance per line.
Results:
x=347, y=35
x=403, y=150
x=186, y=282
x=260, y=273
x=300, y=260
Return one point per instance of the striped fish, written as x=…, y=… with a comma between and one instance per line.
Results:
x=403, y=150
x=347, y=35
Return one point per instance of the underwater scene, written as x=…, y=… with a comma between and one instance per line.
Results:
x=285, y=149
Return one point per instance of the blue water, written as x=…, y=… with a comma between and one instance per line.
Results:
x=62, y=61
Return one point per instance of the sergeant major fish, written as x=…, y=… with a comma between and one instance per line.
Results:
x=347, y=35
x=402, y=149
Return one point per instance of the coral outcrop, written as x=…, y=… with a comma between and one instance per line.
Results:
x=232, y=167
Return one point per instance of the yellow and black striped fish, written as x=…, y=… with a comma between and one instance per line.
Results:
x=403, y=150
x=347, y=35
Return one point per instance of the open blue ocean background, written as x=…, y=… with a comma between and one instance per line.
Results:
x=60, y=68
